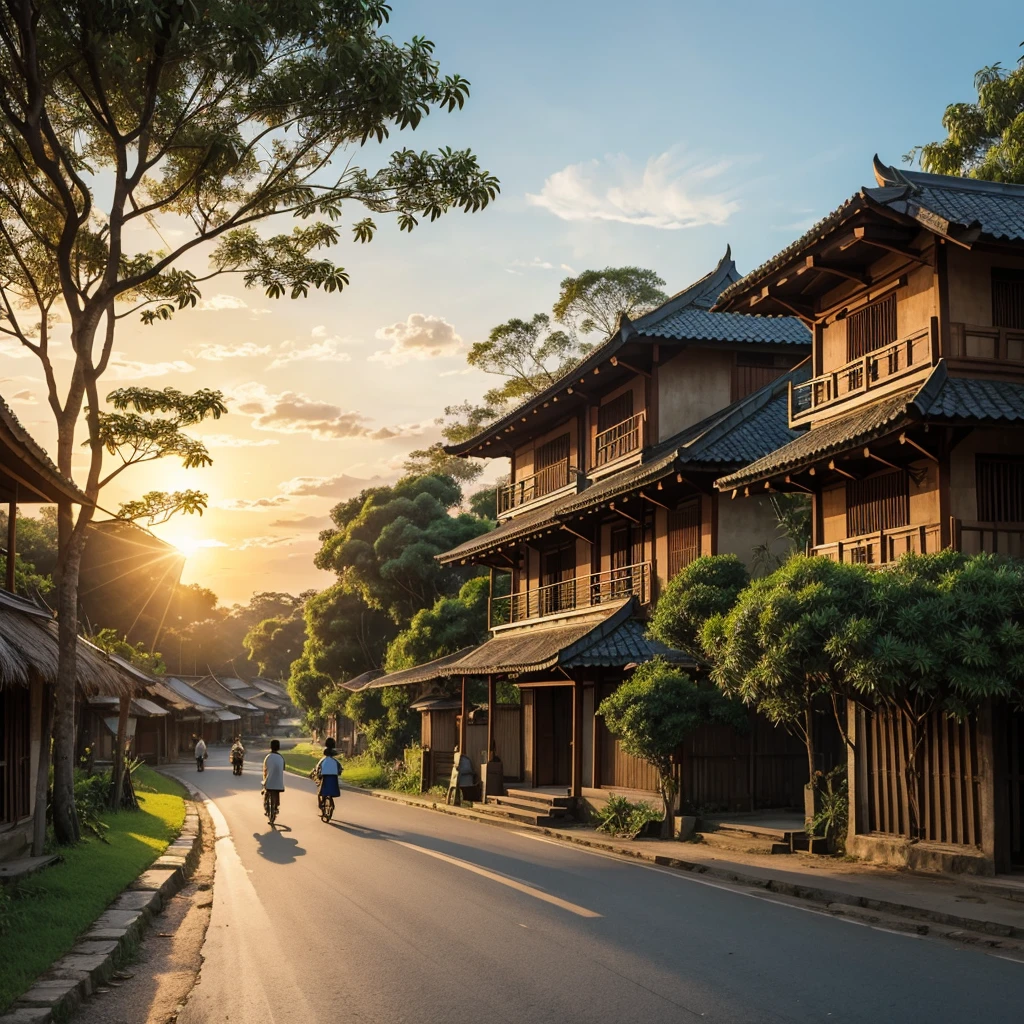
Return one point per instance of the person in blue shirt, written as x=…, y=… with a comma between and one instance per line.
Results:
x=328, y=774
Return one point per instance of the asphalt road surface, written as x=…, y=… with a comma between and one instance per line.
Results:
x=396, y=914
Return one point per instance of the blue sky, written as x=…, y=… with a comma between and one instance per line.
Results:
x=650, y=134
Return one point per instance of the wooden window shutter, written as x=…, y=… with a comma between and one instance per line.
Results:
x=683, y=537
x=618, y=410
x=1007, y=300
x=871, y=328
x=752, y=372
x=878, y=503
x=1000, y=487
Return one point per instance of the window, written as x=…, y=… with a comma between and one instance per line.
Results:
x=871, y=328
x=551, y=465
x=1007, y=300
x=558, y=580
x=879, y=503
x=752, y=372
x=683, y=537
x=616, y=411
x=1000, y=483
x=15, y=754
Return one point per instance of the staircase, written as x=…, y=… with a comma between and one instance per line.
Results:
x=750, y=837
x=531, y=807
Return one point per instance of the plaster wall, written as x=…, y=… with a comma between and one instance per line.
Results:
x=522, y=459
x=692, y=386
x=970, y=283
x=747, y=523
x=963, y=496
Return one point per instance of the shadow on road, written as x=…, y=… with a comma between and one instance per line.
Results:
x=361, y=830
x=277, y=847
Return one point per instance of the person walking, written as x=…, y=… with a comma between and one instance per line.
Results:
x=200, y=752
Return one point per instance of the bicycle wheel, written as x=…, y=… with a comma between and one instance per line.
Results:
x=273, y=810
x=327, y=810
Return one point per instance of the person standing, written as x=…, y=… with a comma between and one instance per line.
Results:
x=273, y=775
x=200, y=752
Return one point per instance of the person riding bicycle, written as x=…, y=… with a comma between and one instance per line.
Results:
x=237, y=751
x=273, y=774
x=328, y=774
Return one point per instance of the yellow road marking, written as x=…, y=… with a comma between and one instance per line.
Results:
x=529, y=890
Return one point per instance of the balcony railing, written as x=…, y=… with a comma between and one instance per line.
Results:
x=884, y=546
x=619, y=440
x=860, y=375
x=582, y=592
x=993, y=538
x=986, y=344
x=534, y=486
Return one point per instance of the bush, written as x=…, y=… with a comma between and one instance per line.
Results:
x=621, y=818
x=834, y=808
x=404, y=776
x=92, y=800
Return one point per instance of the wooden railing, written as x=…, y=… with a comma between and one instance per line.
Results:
x=993, y=538
x=884, y=546
x=582, y=592
x=534, y=486
x=864, y=373
x=619, y=440
x=986, y=344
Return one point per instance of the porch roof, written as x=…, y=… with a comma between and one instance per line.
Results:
x=212, y=687
x=965, y=401
x=425, y=673
x=624, y=645
x=361, y=681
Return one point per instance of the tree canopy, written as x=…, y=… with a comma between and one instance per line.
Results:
x=593, y=302
x=984, y=137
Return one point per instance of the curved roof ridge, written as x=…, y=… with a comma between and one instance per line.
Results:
x=716, y=280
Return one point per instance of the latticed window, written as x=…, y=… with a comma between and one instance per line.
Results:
x=871, y=328
x=1000, y=484
x=551, y=465
x=1008, y=299
x=683, y=537
x=879, y=503
x=751, y=373
x=616, y=411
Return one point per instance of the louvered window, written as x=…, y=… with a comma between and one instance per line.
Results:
x=15, y=754
x=1008, y=299
x=752, y=372
x=871, y=328
x=1000, y=483
x=683, y=537
x=879, y=503
x=551, y=465
x=616, y=411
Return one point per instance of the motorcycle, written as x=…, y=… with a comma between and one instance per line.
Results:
x=236, y=765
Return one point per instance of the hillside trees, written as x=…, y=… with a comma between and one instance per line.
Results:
x=224, y=116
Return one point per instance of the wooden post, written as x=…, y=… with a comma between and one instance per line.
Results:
x=577, y=740
x=490, y=600
x=462, y=720
x=42, y=773
x=988, y=800
x=12, y=536
x=119, y=747
x=491, y=712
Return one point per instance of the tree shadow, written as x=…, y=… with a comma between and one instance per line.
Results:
x=362, y=831
x=277, y=847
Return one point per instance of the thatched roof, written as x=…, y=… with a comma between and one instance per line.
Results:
x=28, y=645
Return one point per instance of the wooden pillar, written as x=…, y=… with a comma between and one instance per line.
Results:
x=12, y=535
x=42, y=773
x=491, y=713
x=856, y=773
x=946, y=537
x=577, y=739
x=462, y=720
x=987, y=800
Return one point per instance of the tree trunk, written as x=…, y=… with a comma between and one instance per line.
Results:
x=912, y=774
x=42, y=774
x=668, y=794
x=119, y=752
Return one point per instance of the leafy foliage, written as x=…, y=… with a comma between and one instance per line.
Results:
x=35, y=555
x=383, y=716
x=619, y=817
x=273, y=644
x=654, y=710
x=109, y=640
x=596, y=299
x=984, y=138
x=158, y=506
x=708, y=586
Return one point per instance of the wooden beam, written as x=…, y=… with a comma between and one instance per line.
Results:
x=491, y=708
x=770, y=293
x=12, y=541
x=797, y=485
x=575, y=534
x=653, y=501
x=616, y=361
x=827, y=267
x=868, y=454
x=462, y=720
x=625, y=515
x=891, y=241
x=913, y=444
x=842, y=472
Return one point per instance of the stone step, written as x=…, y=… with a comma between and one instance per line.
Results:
x=735, y=843
x=532, y=806
x=525, y=817
x=533, y=796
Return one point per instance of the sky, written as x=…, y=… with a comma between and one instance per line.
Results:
x=650, y=134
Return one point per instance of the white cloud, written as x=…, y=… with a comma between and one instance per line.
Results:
x=535, y=264
x=669, y=191
x=325, y=351
x=457, y=373
x=303, y=523
x=251, y=504
x=218, y=353
x=121, y=368
x=264, y=542
x=340, y=487
x=420, y=336
x=221, y=301
x=26, y=397
x=231, y=441
x=14, y=349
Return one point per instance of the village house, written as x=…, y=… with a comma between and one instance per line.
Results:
x=914, y=290
x=611, y=494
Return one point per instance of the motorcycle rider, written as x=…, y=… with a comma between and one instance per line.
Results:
x=237, y=755
x=200, y=752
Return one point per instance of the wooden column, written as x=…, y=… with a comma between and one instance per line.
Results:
x=462, y=720
x=12, y=535
x=42, y=773
x=987, y=798
x=491, y=713
x=577, y=740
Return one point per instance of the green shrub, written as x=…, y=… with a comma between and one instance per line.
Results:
x=92, y=800
x=619, y=817
x=833, y=808
x=405, y=776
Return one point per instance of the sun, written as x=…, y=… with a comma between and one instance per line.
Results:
x=189, y=543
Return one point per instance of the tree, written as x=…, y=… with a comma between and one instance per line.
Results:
x=384, y=543
x=595, y=300
x=36, y=550
x=984, y=138
x=224, y=116
x=273, y=644
x=654, y=711
x=435, y=461
x=384, y=718
x=775, y=648
x=940, y=634
x=708, y=586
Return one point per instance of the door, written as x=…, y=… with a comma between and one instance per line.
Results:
x=552, y=717
x=1009, y=754
x=558, y=580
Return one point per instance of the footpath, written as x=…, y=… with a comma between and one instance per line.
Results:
x=966, y=909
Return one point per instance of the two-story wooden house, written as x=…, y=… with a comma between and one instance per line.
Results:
x=610, y=494
x=914, y=290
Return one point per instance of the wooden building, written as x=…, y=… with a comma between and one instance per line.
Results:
x=914, y=290
x=610, y=495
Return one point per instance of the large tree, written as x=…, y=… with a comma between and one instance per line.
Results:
x=984, y=137
x=224, y=116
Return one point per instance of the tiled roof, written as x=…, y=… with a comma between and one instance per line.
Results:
x=425, y=673
x=703, y=325
x=961, y=400
x=625, y=644
x=360, y=682
x=994, y=209
x=739, y=433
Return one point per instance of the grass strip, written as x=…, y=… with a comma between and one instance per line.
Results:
x=48, y=911
x=357, y=771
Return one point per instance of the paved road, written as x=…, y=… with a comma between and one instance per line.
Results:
x=396, y=914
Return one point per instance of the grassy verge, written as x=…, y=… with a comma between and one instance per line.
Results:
x=358, y=771
x=49, y=911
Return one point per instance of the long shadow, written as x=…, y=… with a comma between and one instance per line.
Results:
x=361, y=831
x=277, y=847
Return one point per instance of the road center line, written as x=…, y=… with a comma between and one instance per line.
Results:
x=529, y=890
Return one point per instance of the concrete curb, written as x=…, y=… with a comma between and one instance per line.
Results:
x=92, y=961
x=833, y=899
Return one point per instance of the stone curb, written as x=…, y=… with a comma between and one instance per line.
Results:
x=91, y=962
x=828, y=898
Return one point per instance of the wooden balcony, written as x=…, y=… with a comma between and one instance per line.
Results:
x=533, y=487
x=992, y=538
x=620, y=440
x=981, y=345
x=568, y=595
x=875, y=549
x=859, y=376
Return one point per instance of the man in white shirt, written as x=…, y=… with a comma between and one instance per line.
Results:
x=273, y=775
x=200, y=752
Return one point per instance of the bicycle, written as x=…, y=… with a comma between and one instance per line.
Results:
x=271, y=804
x=326, y=804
